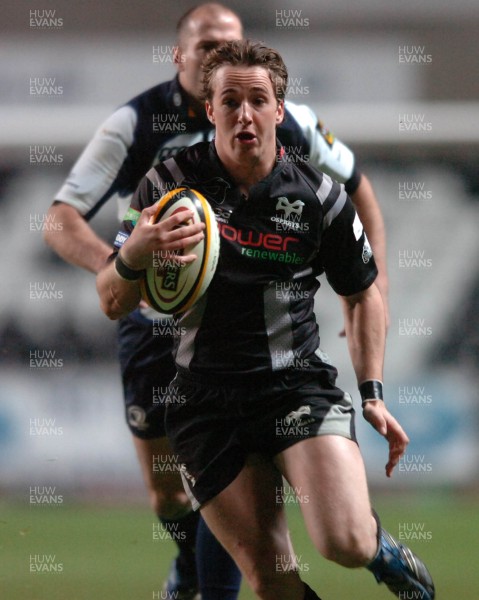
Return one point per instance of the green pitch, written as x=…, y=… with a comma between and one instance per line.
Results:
x=70, y=552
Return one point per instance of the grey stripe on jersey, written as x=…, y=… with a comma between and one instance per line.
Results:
x=174, y=169
x=157, y=181
x=279, y=328
x=186, y=346
x=331, y=202
x=324, y=189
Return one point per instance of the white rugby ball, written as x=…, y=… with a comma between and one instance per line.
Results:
x=168, y=287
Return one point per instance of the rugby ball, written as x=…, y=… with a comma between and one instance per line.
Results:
x=168, y=287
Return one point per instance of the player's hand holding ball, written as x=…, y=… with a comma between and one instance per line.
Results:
x=167, y=237
x=176, y=244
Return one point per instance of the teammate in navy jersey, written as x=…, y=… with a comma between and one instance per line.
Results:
x=260, y=399
x=151, y=127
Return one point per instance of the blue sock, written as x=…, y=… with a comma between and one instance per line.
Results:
x=183, y=532
x=218, y=576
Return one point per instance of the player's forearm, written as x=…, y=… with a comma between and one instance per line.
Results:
x=366, y=332
x=75, y=241
x=369, y=212
x=118, y=297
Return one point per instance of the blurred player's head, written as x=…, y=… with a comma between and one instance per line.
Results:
x=244, y=86
x=198, y=31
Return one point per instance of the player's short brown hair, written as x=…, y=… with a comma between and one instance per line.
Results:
x=245, y=53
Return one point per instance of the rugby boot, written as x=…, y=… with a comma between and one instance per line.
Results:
x=401, y=570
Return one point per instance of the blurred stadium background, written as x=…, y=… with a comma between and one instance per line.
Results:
x=398, y=82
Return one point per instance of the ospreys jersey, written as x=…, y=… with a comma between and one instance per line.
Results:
x=156, y=125
x=257, y=315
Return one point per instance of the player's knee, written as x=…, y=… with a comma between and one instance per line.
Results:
x=167, y=496
x=169, y=504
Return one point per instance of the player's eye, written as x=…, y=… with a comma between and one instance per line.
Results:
x=230, y=102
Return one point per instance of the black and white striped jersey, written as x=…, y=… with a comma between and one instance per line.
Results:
x=257, y=316
x=157, y=124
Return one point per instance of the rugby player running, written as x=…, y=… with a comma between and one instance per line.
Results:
x=236, y=390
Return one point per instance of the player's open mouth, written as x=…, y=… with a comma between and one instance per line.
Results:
x=246, y=137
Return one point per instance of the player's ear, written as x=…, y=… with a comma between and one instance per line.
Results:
x=280, y=112
x=178, y=58
x=209, y=112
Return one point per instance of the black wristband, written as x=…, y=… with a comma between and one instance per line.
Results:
x=372, y=389
x=126, y=272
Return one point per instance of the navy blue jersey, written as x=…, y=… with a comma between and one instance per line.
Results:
x=257, y=316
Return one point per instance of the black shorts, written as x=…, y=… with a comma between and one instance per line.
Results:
x=147, y=368
x=212, y=429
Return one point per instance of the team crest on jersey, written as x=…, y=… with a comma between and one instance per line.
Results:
x=290, y=215
x=325, y=133
x=288, y=207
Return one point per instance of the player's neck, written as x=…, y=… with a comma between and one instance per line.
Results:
x=247, y=174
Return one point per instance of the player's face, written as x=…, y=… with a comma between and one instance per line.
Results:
x=245, y=112
x=204, y=33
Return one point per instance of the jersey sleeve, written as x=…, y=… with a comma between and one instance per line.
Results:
x=91, y=180
x=142, y=198
x=345, y=252
x=326, y=152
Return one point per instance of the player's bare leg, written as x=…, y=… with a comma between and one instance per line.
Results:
x=249, y=522
x=329, y=471
x=170, y=502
